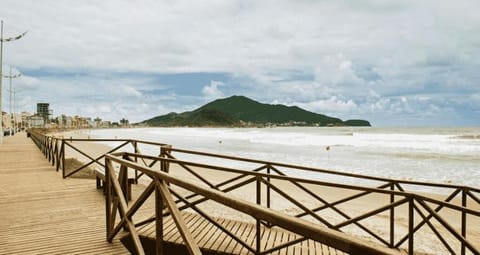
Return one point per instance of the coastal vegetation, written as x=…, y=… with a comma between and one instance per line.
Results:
x=241, y=111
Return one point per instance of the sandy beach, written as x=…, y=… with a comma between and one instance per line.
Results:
x=425, y=240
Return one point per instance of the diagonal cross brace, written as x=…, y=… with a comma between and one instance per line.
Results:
x=96, y=160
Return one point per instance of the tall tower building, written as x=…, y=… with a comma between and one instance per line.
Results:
x=43, y=111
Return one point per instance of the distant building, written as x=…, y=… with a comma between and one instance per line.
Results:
x=90, y=122
x=106, y=124
x=98, y=122
x=68, y=122
x=62, y=121
x=42, y=119
x=124, y=122
x=25, y=116
x=43, y=111
x=5, y=119
x=36, y=121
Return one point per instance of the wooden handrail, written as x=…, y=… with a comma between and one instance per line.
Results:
x=49, y=145
x=305, y=228
x=408, y=196
x=289, y=178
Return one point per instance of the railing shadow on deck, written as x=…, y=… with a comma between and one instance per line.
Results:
x=422, y=212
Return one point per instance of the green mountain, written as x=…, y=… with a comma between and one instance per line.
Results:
x=243, y=111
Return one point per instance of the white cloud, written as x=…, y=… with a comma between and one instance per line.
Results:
x=125, y=90
x=330, y=105
x=212, y=91
x=27, y=82
x=475, y=97
x=237, y=34
x=361, y=53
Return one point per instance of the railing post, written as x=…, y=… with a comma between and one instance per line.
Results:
x=464, y=218
x=47, y=148
x=54, y=150
x=268, y=187
x=410, y=225
x=258, y=223
x=50, y=150
x=54, y=140
x=63, y=158
x=57, y=153
x=158, y=219
x=392, y=216
x=135, y=149
x=164, y=166
x=108, y=196
x=123, y=176
x=44, y=145
x=50, y=146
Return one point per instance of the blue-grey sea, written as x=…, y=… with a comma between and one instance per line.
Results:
x=444, y=155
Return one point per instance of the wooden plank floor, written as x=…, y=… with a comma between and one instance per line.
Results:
x=41, y=213
x=212, y=238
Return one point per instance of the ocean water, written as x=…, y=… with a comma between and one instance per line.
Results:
x=442, y=155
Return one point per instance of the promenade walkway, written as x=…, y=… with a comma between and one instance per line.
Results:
x=42, y=213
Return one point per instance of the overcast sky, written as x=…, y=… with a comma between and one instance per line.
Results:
x=395, y=63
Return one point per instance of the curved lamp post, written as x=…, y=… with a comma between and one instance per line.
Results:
x=1, y=74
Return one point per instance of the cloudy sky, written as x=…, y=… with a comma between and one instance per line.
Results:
x=395, y=63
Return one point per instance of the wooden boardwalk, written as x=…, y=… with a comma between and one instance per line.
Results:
x=212, y=240
x=41, y=213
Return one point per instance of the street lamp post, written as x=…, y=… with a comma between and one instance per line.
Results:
x=12, y=114
x=1, y=74
x=16, y=124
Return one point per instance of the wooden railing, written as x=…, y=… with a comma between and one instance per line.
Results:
x=457, y=196
x=421, y=211
x=54, y=148
x=163, y=184
x=425, y=208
